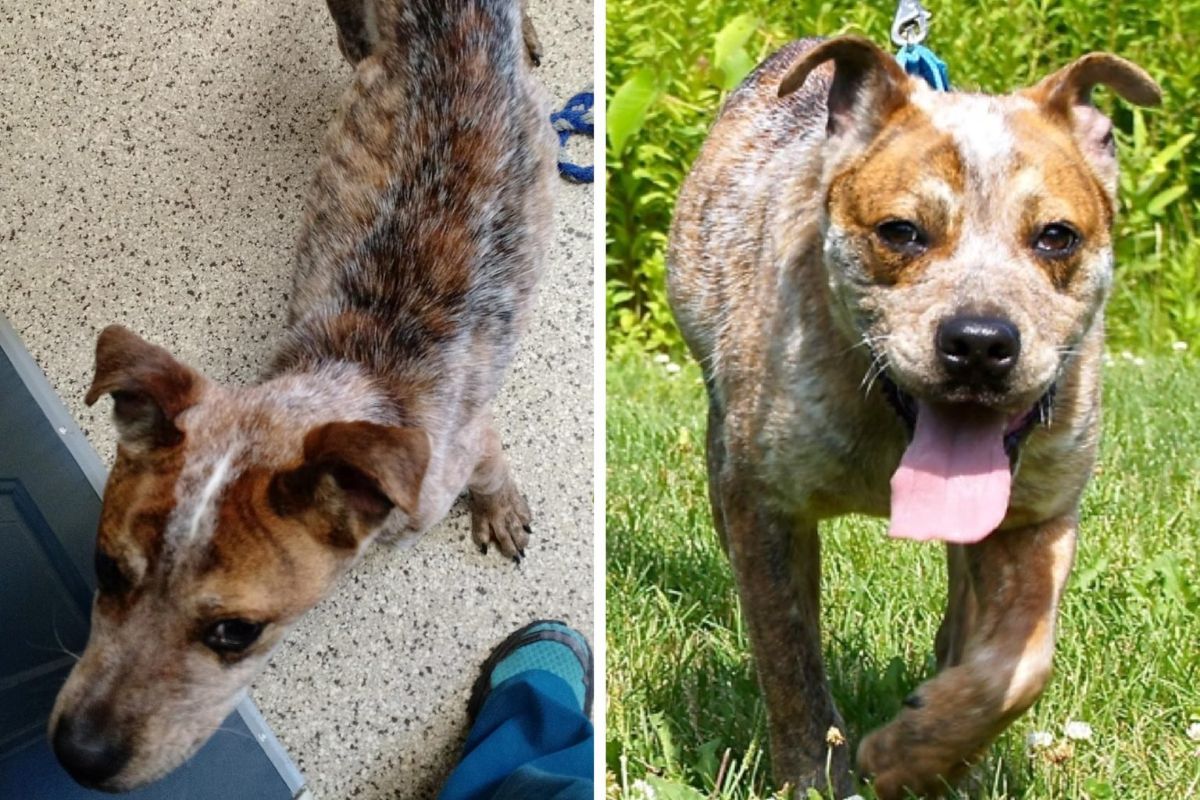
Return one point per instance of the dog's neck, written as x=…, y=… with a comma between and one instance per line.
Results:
x=388, y=367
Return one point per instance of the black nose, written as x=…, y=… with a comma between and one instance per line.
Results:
x=90, y=755
x=978, y=350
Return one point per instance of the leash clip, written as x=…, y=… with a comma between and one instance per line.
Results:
x=911, y=24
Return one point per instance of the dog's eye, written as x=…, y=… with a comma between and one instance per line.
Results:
x=902, y=236
x=109, y=577
x=1056, y=240
x=232, y=635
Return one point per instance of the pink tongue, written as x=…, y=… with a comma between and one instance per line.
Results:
x=954, y=479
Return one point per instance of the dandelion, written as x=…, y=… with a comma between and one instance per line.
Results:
x=672, y=368
x=1077, y=730
x=834, y=737
x=1193, y=731
x=1039, y=740
x=1179, y=347
x=641, y=789
x=662, y=358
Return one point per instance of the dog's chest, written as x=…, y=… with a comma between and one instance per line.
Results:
x=826, y=453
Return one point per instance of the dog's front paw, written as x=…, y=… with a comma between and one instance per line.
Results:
x=881, y=760
x=501, y=519
x=901, y=764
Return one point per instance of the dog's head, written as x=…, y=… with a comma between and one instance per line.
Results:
x=967, y=237
x=227, y=515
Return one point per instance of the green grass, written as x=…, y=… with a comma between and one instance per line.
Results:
x=683, y=703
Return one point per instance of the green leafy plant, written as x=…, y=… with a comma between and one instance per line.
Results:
x=671, y=63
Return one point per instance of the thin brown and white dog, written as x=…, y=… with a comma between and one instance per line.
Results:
x=896, y=295
x=230, y=511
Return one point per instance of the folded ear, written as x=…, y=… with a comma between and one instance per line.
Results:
x=359, y=468
x=868, y=85
x=148, y=386
x=1067, y=96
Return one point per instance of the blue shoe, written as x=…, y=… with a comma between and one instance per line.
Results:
x=547, y=645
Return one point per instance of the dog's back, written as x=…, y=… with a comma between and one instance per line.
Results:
x=428, y=215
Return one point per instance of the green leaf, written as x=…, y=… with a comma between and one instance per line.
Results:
x=1160, y=201
x=1087, y=576
x=729, y=54
x=662, y=730
x=1171, y=152
x=628, y=107
x=669, y=790
x=1139, y=131
x=735, y=69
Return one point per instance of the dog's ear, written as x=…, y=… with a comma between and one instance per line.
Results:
x=868, y=85
x=356, y=467
x=1066, y=95
x=148, y=386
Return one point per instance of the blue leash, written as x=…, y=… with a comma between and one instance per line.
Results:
x=919, y=60
x=909, y=28
x=575, y=119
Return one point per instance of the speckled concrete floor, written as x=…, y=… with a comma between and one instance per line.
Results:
x=153, y=157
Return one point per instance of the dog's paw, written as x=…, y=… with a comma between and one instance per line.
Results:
x=501, y=519
x=899, y=766
x=881, y=764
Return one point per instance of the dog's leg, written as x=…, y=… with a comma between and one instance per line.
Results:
x=1007, y=641
x=776, y=560
x=960, y=610
x=357, y=31
x=499, y=514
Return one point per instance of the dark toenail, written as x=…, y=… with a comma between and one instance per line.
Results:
x=522, y=552
x=483, y=549
x=517, y=560
x=914, y=701
x=527, y=529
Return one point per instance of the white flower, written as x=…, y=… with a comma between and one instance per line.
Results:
x=661, y=358
x=1039, y=740
x=834, y=737
x=1077, y=730
x=1193, y=731
x=641, y=789
x=672, y=368
x=854, y=797
x=1128, y=356
x=1179, y=347
x=1139, y=362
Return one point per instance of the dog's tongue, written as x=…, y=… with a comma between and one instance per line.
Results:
x=954, y=480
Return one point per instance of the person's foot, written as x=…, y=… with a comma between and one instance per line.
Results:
x=547, y=645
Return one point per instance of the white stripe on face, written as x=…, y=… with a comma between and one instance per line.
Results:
x=201, y=519
x=977, y=124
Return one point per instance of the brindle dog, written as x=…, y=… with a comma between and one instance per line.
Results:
x=230, y=511
x=897, y=296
